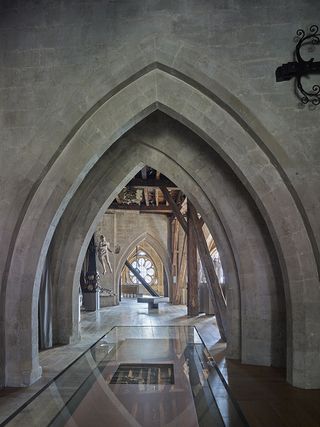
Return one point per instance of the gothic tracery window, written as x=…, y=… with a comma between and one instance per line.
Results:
x=145, y=265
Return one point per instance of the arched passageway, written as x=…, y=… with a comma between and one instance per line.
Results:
x=251, y=221
x=157, y=247
x=227, y=211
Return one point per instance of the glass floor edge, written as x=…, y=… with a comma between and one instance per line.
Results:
x=136, y=376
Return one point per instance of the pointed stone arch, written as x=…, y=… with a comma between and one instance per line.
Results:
x=157, y=247
x=80, y=219
x=201, y=104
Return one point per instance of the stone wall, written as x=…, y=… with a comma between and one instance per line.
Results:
x=209, y=65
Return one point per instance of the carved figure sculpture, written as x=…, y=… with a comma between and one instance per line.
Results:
x=103, y=253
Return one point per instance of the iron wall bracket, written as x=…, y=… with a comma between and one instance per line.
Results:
x=301, y=68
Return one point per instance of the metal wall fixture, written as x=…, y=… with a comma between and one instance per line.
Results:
x=301, y=68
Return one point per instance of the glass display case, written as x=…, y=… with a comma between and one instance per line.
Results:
x=137, y=376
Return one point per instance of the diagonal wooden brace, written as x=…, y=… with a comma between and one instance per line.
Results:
x=215, y=291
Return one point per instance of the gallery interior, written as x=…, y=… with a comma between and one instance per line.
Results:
x=159, y=213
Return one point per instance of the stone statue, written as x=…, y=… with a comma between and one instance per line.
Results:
x=103, y=253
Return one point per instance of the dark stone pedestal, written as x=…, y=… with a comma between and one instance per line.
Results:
x=91, y=301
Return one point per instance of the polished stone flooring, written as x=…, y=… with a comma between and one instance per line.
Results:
x=262, y=393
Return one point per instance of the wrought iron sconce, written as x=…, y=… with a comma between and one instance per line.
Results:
x=301, y=68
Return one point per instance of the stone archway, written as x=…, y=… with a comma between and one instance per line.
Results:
x=143, y=144
x=237, y=141
x=156, y=246
x=84, y=212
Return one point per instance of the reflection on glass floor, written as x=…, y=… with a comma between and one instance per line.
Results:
x=140, y=377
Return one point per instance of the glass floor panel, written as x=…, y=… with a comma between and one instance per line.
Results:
x=137, y=376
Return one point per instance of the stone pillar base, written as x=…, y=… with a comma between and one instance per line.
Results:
x=23, y=378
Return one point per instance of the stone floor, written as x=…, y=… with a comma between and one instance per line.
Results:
x=262, y=393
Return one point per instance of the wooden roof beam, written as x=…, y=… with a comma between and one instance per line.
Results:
x=151, y=183
x=144, y=172
x=142, y=209
x=214, y=288
x=175, y=208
